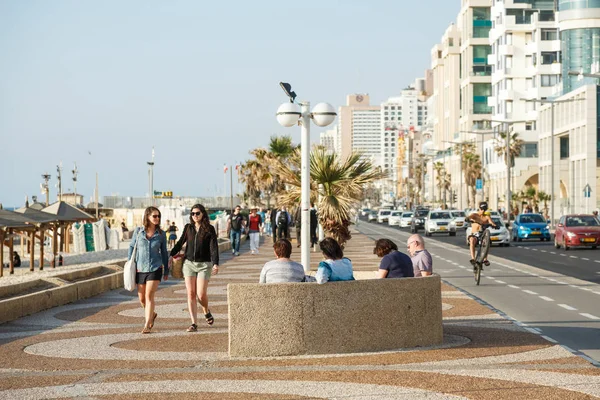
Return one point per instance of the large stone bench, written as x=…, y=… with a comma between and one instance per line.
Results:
x=337, y=317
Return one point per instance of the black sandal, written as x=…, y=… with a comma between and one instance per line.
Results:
x=192, y=328
x=209, y=318
x=486, y=263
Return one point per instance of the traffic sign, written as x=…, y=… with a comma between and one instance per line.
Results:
x=587, y=190
x=478, y=184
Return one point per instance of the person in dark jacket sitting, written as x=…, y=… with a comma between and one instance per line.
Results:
x=201, y=261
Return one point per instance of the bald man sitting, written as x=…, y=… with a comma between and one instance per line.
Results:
x=421, y=259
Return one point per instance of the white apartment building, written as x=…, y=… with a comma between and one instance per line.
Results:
x=359, y=126
x=330, y=140
x=525, y=64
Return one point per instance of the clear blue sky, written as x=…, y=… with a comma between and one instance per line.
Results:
x=196, y=79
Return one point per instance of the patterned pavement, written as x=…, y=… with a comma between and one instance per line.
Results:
x=93, y=349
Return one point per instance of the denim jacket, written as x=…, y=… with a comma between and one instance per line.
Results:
x=150, y=254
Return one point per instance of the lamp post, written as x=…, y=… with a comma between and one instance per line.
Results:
x=151, y=177
x=289, y=114
x=552, y=102
x=75, y=172
x=46, y=188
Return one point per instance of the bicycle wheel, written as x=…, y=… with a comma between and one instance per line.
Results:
x=484, y=247
x=477, y=273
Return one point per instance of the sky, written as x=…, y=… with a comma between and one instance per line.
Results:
x=99, y=83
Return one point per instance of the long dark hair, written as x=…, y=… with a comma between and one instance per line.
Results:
x=204, y=219
x=147, y=213
x=331, y=249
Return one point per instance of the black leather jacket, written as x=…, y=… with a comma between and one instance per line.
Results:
x=201, y=246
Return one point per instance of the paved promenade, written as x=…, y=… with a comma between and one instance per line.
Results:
x=93, y=349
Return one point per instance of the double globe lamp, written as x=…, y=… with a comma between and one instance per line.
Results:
x=290, y=114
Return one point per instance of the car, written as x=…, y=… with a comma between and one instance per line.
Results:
x=364, y=212
x=530, y=226
x=418, y=220
x=405, y=219
x=499, y=236
x=372, y=216
x=440, y=221
x=394, y=218
x=383, y=215
x=577, y=230
x=459, y=219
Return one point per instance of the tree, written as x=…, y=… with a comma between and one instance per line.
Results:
x=515, y=146
x=419, y=172
x=440, y=170
x=530, y=194
x=471, y=167
x=544, y=198
x=343, y=183
x=446, y=185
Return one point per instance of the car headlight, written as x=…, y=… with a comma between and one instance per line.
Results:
x=522, y=228
x=571, y=234
x=547, y=227
x=452, y=223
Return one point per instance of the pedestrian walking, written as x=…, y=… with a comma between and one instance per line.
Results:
x=283, y=221
x=200, y=263
x=152, y=262
x=268, y=231
x=254, y=227
x=274, y=224
x=235, y=225
x=314, y=225
x=298, y=225
x=172, y=234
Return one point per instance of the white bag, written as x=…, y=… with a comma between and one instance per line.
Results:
x=130, y=269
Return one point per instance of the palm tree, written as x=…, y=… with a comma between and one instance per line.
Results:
x=515, y=145
x=472, y=171
x=282, y=147
x=531, y=196
x=446, y=185
x=343, y=182
x=439, y=171
x=545, y=198
x=419, y=172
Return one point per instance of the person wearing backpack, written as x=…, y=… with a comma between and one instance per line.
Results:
x=235, y=224
x=283, y=221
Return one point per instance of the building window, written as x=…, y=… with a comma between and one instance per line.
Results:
x=530, y=126
x=550, y=80
x=564, y=147
x=529, y=150
x=550, y=57
x=549, y=34
x=546, y=15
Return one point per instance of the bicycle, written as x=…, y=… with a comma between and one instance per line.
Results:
x=482, y=249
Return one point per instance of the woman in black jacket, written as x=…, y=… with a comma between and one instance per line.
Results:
x=201, y=260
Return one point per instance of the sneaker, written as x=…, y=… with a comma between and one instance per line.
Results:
x=237, y=253
x=252, y=252
x=233, y=252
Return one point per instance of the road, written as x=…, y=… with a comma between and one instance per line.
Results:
x=555, y=293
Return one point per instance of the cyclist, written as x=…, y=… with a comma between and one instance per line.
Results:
x=478, y=220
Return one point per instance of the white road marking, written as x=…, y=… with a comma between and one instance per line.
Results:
x=549, y=339
x=563, y=255
x=514, y=287
x=597, y=261
x=573, y=286
x=586, y=259
x=590, y=316
x=552, y=252
x=529, y=291
x=567, y=307
x=543, y=251
x=573, y=256
x=500, y=281
x=490, y=277
x=546, y=298
x=534, y=249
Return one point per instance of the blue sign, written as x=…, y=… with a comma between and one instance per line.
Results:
x=478, y=184
x=587, y=191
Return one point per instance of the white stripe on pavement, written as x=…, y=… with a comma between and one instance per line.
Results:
x=590, y=316
x=567, y=307
x=529, y=291
x=546, y=298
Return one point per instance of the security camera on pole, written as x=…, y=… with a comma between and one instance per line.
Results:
x=290, y=114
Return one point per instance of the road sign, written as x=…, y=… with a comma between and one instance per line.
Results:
x=478, y=184
x=587, y=191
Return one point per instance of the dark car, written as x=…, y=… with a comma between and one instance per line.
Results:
x=577, y=230
x=418, y=220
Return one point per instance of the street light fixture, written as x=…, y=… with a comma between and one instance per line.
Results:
x=289, y=114
x=552, y=102
x=151, y=177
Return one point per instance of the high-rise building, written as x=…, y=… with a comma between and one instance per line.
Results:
x=359, y=127
x=330, y=140
x=525, y=61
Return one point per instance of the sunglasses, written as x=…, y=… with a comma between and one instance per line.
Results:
x=196, y=214
x=155, y=216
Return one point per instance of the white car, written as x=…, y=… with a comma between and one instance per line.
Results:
x=383, y=215
x=459, y=219
x=499, y=236
x=394, y=218
x=440, y=222
x=405, y=219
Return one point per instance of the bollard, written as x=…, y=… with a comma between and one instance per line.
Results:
x=60, y=260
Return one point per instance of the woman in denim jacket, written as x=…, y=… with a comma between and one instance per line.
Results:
x=335, y=267
x=152, y=261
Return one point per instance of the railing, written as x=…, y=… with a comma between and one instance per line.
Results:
x=219, y=202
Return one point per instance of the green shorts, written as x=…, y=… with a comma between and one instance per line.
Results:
x=200, y=270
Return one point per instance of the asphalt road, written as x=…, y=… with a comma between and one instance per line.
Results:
x=554, y=293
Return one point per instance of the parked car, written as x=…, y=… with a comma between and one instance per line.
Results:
x=405, y=219
x=440, y=222
x=364, y=212
x=418, y=220
x=394, y=218
x=499, y=236
x=372, y=216
x=383, y=215
x=530, y=226
x=459, y=219
x=577, y=230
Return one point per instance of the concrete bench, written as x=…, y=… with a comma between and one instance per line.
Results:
x=337, y=317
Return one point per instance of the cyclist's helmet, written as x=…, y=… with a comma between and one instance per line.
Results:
x=483, y=206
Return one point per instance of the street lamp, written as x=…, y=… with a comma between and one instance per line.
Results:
x=552, y=102
x=289, y=114
x=151, y=177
